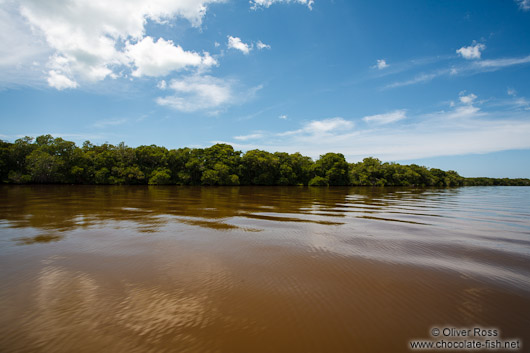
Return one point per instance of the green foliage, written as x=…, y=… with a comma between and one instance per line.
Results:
x=5, y=161
x=102, y=176
x=318, y=181
x=372, y=172
x=18, y=178
x=210, y=177
x=496, y=181
x=160, y=177
x=294, y=169
x=44, y=167
x=333, y=168
x=259, y=168
x=151, y=158
x=46, y=159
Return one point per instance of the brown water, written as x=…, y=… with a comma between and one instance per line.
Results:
x=259, y=269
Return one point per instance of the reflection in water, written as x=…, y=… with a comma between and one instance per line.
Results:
x=251, y=269
x=43, y=238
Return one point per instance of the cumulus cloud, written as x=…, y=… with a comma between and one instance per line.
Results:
x=195, y=93
x=19, y=44
x=161, y=57
x=262, y=45
x=283, y=117
x=93, y=38
x=236, y=43
x=381, y=64
x=387, y=118
x=205, y=93
x=467, y=99
x=73, y=42
x=162, y=85
x=464, y=110
x=472, y=52
x=21, y=52
x=255, y=4
x=60, y=81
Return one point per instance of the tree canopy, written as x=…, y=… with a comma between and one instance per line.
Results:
x=47, y=160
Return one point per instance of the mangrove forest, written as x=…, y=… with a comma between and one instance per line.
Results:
x=49, y=160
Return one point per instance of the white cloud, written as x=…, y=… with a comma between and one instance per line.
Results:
x=195, y=93
x=500, y=63
x=524, y=4
x=205, y=93
x=462, y=130
x=469, y=99
x=283, y=117
x=236, y=43
x=436, y=136
x=19, y=44
x=21, y=51
x=382, y=119
x=418, y=79
x=60, y=81
x=465, y=110
x=381, y=64
x=248, y=137
x=266, y=3
x=472, y=52
x=515, y=102
x=161, y=57
x=328, y=125
x=262, y=45
x=162, y=85
x=323, y=127
x=91, y=37
x=522, y=103
x=313, y=129
x=472, y=68
x=462, y=112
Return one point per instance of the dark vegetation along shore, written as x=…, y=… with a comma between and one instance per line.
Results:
x=50, y=160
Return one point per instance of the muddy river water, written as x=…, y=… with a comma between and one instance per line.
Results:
x=262, y=269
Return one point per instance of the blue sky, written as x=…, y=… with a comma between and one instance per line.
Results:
x=441, y=84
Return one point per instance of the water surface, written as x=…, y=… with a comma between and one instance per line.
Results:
x=258, y=269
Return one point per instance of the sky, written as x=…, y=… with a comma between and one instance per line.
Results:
x=445, y=84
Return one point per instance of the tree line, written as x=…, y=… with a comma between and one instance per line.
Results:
x=49, y=160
